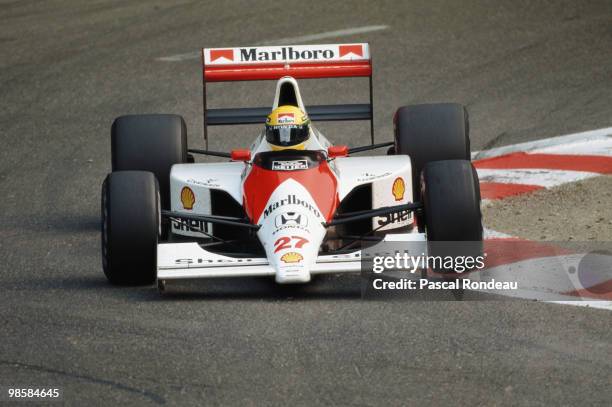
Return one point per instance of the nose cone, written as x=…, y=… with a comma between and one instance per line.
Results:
x=291, y=268
x=292, y=245
x=291, y=254
x=291, y=232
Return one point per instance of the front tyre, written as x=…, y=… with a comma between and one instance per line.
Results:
x=130, y=227
x=451, y=199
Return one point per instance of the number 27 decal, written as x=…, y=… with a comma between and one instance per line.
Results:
x=286, y=242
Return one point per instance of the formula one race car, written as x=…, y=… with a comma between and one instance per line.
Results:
x=293, y=205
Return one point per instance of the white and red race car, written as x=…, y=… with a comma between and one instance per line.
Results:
x=290, y=214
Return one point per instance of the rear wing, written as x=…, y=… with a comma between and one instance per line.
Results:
x=297, y=61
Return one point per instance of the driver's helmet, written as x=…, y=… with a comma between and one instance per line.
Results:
x=287, y=127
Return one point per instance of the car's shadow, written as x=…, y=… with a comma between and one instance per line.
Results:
x=327, y=287
x=258, y=288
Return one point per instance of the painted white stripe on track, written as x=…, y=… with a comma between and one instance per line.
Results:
x=541, y=177
x=600, y=147
x=494, y=234
x=289, y=40
x=544, y=143
x=328, y=34
x=607, y=305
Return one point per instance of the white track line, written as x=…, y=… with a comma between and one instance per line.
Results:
x=530, y=176
x=180, y=57
x=494, y=234
x=600, y=147
x=289, y=40
x=587, y=136
x=607, y=305
x=328, y=34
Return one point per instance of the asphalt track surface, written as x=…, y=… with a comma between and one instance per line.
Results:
x=525, y=69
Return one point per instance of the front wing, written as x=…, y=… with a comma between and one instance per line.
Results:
x=178, y=261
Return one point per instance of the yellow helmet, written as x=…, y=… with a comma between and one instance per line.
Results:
x=287, y=127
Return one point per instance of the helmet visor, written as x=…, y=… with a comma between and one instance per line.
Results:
x=286, y=135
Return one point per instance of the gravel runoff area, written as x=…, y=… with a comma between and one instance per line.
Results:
x=579, y=211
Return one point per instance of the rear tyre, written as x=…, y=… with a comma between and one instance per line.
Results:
x=451, y=199
x=152, y=142
x=431, y=132
x=130, y=227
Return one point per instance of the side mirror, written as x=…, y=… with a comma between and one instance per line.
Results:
x=240, y=154
x=337, y=151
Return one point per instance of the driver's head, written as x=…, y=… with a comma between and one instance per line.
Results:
x=287, y=127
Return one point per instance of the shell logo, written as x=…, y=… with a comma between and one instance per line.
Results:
x=398, y=189
x=292, y=257
x=187, y=198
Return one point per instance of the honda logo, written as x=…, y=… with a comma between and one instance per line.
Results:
x=291, y=219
